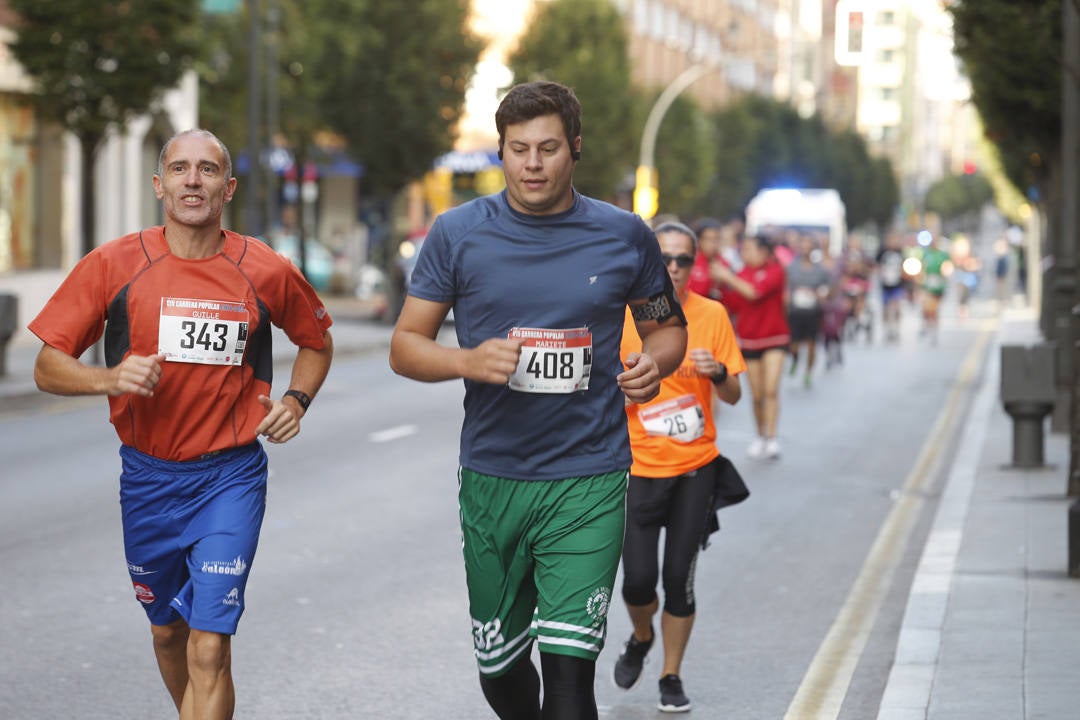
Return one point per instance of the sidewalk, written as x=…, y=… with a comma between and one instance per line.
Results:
x=992, y=627
x=356, y=329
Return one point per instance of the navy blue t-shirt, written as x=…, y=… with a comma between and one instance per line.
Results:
x=504, y=269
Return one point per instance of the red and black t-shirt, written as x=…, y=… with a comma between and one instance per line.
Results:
x=211, y=317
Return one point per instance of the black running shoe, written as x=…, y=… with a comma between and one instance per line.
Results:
x=628, y=667
x=672, y=697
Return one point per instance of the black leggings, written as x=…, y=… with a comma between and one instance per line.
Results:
x=682, y=505
x=568, y=689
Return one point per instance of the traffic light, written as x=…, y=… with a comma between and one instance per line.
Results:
x=646, y=197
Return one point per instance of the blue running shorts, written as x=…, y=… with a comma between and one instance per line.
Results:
x=190, y=533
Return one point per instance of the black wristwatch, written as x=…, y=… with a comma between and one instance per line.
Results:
x=304, y=399
x=721, y=376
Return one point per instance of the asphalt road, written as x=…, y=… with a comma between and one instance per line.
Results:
x=356, y=604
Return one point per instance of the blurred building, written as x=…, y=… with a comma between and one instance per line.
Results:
x=738, y=39
x=912, y=98
x=41, y=184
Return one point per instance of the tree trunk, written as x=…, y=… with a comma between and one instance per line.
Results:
x=89, y=144
x=301, y=231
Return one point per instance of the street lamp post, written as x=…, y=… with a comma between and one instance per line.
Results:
x=254, y=149
x=646, y=194
x=1070, y=238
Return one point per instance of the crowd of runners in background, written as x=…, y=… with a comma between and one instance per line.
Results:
x=794, y=304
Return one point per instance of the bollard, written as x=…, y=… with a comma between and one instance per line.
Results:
x=9, y=311
x=1028, y=395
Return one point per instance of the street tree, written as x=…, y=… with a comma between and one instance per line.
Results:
x=396, y=75
x=583, y=44
x=97, y=65
x=733, y=184
x=223, y=67
x=763, y=143
x=885, y=197
x=957, y=199
x=850, y=170
x=385, y=80
x=685, y=152
x=1011, y=51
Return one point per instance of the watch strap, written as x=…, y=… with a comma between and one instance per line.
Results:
x=721, y=376
x=301, y=397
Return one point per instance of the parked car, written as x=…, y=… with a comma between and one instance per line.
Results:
x=318, y=259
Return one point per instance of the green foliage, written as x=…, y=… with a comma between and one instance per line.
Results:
x=733, y=184
x=886, y=192
x=764, y=143
x=1011, y=51
x=388, y=77
x=222, y=67
x=685, y=151
x=99, y=64
x=399, y=71
x=851, y=172
x=583, y=44
x=956, y=195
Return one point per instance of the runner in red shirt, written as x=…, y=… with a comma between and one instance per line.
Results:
x=708, y=252
x=185, y=311
x=756, y=301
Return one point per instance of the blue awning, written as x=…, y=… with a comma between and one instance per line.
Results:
x=332, y=164
x=468, y=162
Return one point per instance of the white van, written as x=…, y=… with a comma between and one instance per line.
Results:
x=810, y=210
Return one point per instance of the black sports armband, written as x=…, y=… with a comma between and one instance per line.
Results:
x=660, y=307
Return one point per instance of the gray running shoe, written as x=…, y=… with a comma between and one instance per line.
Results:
x=628, y=667
x=672, y=697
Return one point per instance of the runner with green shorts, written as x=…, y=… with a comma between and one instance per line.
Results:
x=935, y=263
x=571, y=530
x=539, y=278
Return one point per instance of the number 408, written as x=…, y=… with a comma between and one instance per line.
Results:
x=551, y=366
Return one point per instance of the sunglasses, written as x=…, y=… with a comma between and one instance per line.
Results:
x=683, y=261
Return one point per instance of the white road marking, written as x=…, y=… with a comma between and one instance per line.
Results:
x=391, y=434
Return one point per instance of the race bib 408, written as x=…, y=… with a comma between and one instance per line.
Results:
x=552, y=361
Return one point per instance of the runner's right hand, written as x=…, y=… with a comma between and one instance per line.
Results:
x=493, y=361
x=137, y=374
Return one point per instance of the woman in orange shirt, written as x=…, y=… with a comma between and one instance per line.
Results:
x=678, y=475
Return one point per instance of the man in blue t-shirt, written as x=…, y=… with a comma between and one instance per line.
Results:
x=539, y=277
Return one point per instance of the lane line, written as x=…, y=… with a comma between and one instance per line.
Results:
x=394, y=433
x=825, y=684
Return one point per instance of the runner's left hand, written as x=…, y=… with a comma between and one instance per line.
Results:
x=704, y=362
x=281, y=424
x=641, y=381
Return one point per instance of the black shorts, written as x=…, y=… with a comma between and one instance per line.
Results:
x=805, y=324
x=760, y=352
x=682, y=506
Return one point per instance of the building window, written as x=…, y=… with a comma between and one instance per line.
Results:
x=887, y=17
x=641, y=16
x=887, y=55
x=656, y=22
